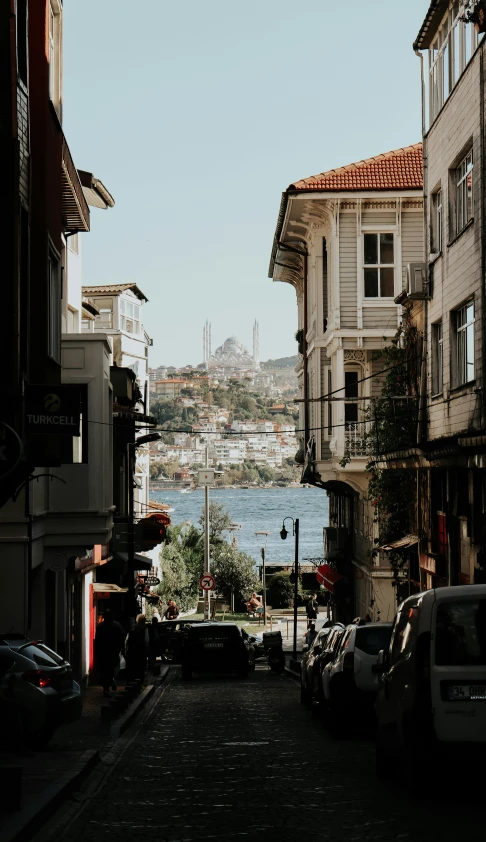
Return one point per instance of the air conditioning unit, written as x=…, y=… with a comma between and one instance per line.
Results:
x=336, y=540
x=416, y=280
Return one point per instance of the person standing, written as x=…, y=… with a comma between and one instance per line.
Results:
x=137, y=647
x=154, y=639
x=109, y=640
x=172, y=612
x=312, y=609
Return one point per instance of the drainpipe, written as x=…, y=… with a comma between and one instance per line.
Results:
x=306, y=386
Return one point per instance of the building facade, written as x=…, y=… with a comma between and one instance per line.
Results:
x=344, y=239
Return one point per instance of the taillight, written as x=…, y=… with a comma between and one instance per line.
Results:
x=37, y=677
x=348, y=662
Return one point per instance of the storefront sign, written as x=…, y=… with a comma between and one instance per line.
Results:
x=53, y=410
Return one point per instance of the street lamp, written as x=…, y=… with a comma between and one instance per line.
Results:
x=263, y=550
x=283, y=535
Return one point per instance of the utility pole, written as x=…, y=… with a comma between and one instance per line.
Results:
x=296, y=584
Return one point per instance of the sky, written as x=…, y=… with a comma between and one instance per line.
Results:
x=197, y=115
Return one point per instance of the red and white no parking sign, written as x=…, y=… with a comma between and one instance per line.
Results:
x=207, y=582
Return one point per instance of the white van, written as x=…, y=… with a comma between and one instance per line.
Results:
x=432, y=692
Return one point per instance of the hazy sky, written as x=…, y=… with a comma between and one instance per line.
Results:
x=196, y=115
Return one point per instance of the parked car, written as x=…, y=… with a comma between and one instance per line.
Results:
x=308, y=673
x=351, y=683
x=36, y=685
x=432, y=697
x=171, y=633
x=327, y=655
x=216, y=647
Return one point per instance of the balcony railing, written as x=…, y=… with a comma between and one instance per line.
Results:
x=354, y=440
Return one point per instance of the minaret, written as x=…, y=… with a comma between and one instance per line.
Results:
x=204, y=345
x=256, y=346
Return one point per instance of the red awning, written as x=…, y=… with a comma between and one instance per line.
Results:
x=327, y=576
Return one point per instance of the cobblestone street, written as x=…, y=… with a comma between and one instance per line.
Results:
x=225, y=759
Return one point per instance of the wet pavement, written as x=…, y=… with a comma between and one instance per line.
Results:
x=227, y=759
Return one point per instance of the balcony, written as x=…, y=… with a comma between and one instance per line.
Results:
x=355, y=445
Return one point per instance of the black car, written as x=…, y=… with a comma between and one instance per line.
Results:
x=171, y=634
x=257, y=641
x=216, y=647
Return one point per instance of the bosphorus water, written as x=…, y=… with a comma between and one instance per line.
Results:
x=261, y=510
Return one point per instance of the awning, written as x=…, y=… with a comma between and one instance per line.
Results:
x=74, y=207
x=95, y=191
x=142, y=562
x=328, y=576
x=401, y=544
x=106, y=587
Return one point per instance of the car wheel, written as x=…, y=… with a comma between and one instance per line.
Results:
x=186, y=673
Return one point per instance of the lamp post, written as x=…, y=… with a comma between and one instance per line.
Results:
x=283, y=535
x=264, y=585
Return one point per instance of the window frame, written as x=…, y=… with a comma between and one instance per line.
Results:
x=449, y=55
x=437, y=358
x=54, y=41
x=378, y=233
x=461, y=350
x=54, y=306
x=462, y=199
x=436, y=222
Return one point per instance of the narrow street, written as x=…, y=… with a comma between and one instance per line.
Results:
x=222, y=759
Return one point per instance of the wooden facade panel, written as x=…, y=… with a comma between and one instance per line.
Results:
x=378, y=217
x=383, y=318
x=412, y=240
x=348, y=269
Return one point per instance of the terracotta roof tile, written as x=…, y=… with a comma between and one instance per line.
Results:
x=400, y=169
x=109, y=289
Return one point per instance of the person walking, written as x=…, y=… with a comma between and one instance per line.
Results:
x=172, y=612
x=312, y=609
x=154, y=639
x=109, y=641
x=310, y=634
x=137, y=647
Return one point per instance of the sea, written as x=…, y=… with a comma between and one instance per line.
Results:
x=261, y=510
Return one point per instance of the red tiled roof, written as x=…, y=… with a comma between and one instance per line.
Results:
x=400, y=169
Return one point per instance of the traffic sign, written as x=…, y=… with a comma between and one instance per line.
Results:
x=207, y=582
x=11, y=449
x=205, y=476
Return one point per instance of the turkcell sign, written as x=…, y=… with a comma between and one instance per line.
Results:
x=53, y=410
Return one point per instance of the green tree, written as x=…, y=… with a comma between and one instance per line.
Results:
x=233, y=571
x=281, y=590
x=219, y=523
x=176, y=581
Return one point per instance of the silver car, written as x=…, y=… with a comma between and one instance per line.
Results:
x=37, y=690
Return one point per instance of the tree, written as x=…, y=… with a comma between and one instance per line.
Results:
x=281, y=590
x=176, y=581
x=234, y=572
x=219, y=523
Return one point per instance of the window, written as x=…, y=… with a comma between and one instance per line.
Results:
x=55, y=53
x=403, y=633
x=463, y=184
x=436, y=222
x=351, y=391
x=465, y=343
x=461, y=634
x=72, y=320
x=129, y=317
x=74, y=449
x=54, y=309
x=449, y=55
x=437, y=359
x=105, y=318
x=379, y=261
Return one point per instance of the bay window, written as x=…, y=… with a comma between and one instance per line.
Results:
x=449, y=55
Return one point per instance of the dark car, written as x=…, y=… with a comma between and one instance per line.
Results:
x=216, y=647
x=171, y=634
x=37, y=687
x=257, y=641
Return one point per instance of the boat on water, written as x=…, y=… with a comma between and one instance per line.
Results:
x=185, y=490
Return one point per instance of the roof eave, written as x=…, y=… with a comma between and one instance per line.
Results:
x=436, y=11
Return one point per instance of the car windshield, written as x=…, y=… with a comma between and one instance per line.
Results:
x=461, y=633
x=42, y=655
x=373, y=640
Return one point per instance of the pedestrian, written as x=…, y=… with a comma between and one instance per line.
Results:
x=310, y=634
x=137, y=648
x=172, y=612
x=108, y=645
x=154, y=639
x=312, y=609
